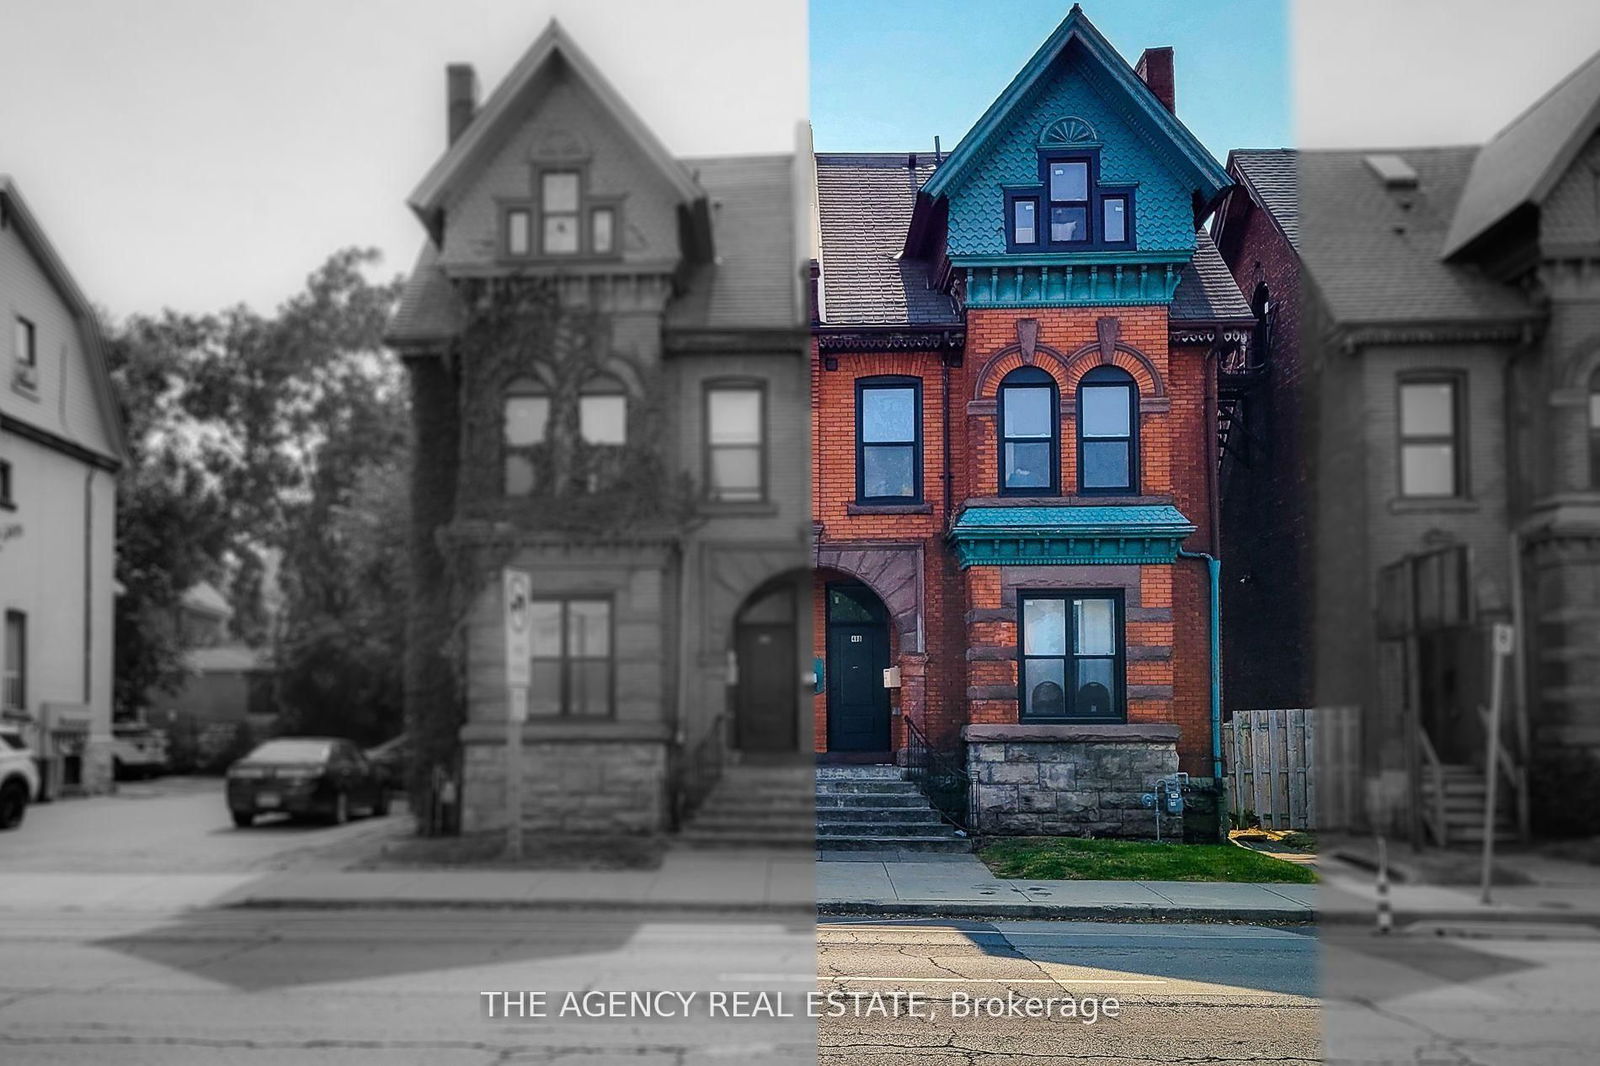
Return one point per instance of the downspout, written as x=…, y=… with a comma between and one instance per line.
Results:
x=944, y=403
x=1214, y=572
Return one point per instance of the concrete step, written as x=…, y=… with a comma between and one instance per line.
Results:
x=887, y=843
x=868, y=772
x=877, y=785
x=870, y=800
x=907, y=815
x=697, y=839
x=883, y=829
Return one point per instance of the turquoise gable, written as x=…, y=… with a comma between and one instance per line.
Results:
x=1067, y=536
x=1072, y=88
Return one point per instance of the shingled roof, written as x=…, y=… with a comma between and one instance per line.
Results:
x=1271, y=175
x=1522, y=162
x=864, y=202
x=1207, y=291
x=1373, y=250
x=754, y=282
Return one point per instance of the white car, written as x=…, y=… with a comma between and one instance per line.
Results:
x=137, y=751
x=19, y=777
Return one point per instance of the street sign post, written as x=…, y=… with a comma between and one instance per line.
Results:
x=1505, y=639
x=518, y=589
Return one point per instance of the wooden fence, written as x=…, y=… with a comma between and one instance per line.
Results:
x=1268, y=757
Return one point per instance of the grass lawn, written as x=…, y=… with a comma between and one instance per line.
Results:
x=1077, y=859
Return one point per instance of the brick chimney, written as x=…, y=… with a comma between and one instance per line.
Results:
x=1155, y=70
x=461, y=98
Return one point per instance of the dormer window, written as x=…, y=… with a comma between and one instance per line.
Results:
x=602, y=230
x=1069, y=201
x=1070, y=209
x=558, y=210
x=519, y=231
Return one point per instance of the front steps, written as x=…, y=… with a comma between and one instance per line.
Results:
x=875, y=808
x=756, y=805
x=1465, y=793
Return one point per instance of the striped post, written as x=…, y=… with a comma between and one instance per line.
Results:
x=1385, y=908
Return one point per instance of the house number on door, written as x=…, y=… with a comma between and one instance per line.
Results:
x=855, y=638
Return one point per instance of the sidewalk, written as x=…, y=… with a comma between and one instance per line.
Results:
x=790, y=884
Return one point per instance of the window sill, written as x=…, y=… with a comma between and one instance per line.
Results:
x=25, y=388
x=1432, y=505
x=8, y=505
x=888, y=508
x=740, y=509
x=1047, y=500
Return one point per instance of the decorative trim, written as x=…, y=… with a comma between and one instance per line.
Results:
x=1069, y=131
x=1069, y=536
x=1081, y=282
x=56, y=443
x=892, y=339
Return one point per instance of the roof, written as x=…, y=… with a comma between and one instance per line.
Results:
x=429, y=310
x=1522, y=162
x=16, y=209
x=1118, y=519
x=1373, y=252
x=1207, y=291
x=1143, y=107
x=205, y=599
x=751, y=284
x=502, y=112
x=865, y=202
x=754, y=279
x=1272, y=177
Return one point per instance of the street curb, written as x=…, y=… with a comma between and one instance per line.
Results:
x=1066, y=912
x=1401, y=917
x=312, y=903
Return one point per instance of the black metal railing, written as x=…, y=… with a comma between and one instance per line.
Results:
x=941, y=775
x=700, y=768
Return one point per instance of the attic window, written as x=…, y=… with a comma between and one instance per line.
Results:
x=1079, y=211
x=602, y=230
x=558, y=207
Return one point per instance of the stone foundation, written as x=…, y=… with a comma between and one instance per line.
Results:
x=1068, y=780
x=572, y=783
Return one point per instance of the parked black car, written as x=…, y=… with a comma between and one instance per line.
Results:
x=305, y=777
x=392, y=759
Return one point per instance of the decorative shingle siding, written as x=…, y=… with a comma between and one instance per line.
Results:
x=1164, y=214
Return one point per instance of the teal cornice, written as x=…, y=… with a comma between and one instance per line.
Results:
x=1069, y=536
x=1076, y=282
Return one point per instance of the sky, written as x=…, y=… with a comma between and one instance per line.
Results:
x=890, y=75
x=197, y=154
x=1429, y=72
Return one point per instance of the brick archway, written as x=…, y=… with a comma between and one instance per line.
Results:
x=893, y=570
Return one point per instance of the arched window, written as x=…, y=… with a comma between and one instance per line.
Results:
x=1108, y=421
x=526, y=429
x=1594, y=430
x=1030, y=442
x=603, y=411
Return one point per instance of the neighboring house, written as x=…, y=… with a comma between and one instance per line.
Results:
x=605, y=346
x=61, y=444
x=1450, y=346
x=228, y=684
x=1015, y=355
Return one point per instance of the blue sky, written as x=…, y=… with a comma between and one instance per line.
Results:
x=887, y=75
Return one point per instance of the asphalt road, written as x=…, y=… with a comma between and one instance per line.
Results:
x=1206, y=993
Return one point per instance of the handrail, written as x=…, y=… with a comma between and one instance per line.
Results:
x=1441, y=831
x=939, y=775
x=702, y=768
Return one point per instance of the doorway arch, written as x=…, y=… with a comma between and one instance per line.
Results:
x=770, y=631
x=858, y=651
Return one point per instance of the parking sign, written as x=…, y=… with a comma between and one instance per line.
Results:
x=519, y=638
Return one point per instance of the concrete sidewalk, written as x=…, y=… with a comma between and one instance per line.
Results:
x=793, y=883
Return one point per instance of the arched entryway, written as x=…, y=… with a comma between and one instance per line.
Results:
x=858, y=653
x=771, y=633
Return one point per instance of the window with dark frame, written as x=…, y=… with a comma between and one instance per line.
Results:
x=736, y=443
x=1067, y=184
x=602, y=227
x=1108, y=421
x=1025, y=220
x=1430, y=432
x=1594, y=430
x=1030, y=442
x=1071, y=655
x=558, y=212
x=14, y=668
x=889, y=440
x=26, y=341
x=527, y=422
x=519, y=231
x=1114, y=219
x=572, y=665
